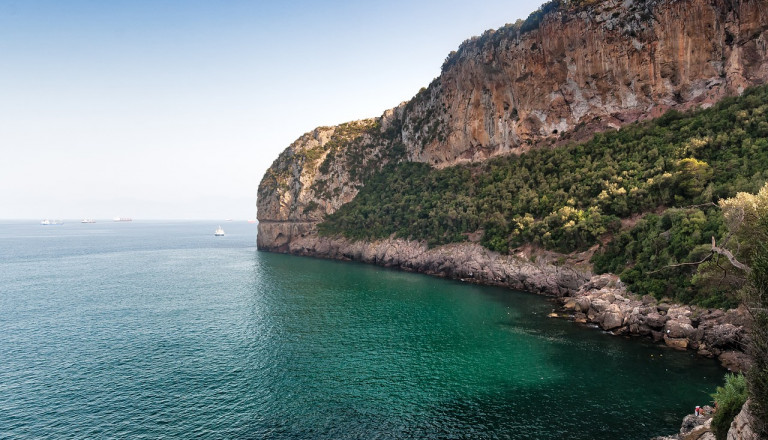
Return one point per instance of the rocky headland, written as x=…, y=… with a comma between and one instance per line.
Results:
x=572, y=69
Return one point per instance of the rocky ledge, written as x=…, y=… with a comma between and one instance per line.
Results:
x=695, y=427
x=604, y=301
x=700, y=427
x=601, y=300
x=463, y=261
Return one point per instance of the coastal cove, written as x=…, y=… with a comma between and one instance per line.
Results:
x=160, y=328
x=600, y=300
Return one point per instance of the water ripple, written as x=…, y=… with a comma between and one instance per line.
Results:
x=155, y=332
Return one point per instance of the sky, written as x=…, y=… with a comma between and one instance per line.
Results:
x=174, y=109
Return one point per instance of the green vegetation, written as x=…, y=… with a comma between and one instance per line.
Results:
x=359, y=147
x=729, y=399
x=643, y=256
x=757, y=301
x=746, y=216
x=352, y=145
x=574, y=197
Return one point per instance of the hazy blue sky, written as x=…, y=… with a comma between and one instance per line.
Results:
x=174, y=109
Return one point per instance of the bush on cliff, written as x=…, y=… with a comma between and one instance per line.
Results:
x=757, y=301
x=729, y=399
x=747, y=219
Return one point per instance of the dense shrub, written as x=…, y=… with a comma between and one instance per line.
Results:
x=729, y=399
x=573, y=197
x=757, y=300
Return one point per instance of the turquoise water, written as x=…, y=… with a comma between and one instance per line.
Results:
x=152, y=330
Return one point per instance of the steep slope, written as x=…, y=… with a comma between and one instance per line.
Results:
x=570, y=69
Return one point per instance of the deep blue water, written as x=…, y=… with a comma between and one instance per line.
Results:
x=161, y=330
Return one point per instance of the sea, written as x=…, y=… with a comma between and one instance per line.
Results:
x=158, y=329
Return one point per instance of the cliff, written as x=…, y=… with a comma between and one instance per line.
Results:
x=569, y=70
x=700, y=427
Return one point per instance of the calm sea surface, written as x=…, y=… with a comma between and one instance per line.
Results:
x=161, y=330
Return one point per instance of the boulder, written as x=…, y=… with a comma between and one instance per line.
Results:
x=677, y=329
x=711, y=315
x=704, y=352
x=723, y=336
x=739, y=317
x=735, y=360
x=655, y=320
x=598, y=282
x=580, y=318
x=612, y=318
x=691, y=423
x=644, y=330
x=676, y=343
x=583, y=303
x=599, y=305
x=678, y=311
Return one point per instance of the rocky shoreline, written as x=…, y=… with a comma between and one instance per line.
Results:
x=604, y=301
x=601, y=300
x=699, y=427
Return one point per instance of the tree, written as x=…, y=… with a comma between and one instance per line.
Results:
x=756, y=299
x=692, y=176
x=746, y=248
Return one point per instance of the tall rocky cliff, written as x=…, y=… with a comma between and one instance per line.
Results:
x=570, y=69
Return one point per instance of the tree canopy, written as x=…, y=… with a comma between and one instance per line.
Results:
x=646, y=194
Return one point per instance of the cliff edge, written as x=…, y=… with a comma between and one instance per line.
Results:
x=569, y=70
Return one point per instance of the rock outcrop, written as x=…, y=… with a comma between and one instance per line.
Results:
x=700, y=427
x=318, y=173
x=597, y=64
x=604, y=301
x=574, y=68
x=466, y=261
x=695, y=427
x=741, y=428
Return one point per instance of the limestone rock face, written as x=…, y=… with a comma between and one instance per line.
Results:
x=581, y=69
x=603, y=66
x=317, y=174
x=740, y=427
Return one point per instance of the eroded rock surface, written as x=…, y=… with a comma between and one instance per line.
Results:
x=605, y=301
x=466, y=261
x=585, y=67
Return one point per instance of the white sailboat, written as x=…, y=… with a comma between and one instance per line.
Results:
x=219, y=232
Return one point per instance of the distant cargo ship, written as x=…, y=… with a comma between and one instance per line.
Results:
x=122, y=219
x=87, y=220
